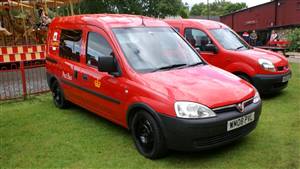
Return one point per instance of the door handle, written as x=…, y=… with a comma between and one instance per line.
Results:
x=84, y=76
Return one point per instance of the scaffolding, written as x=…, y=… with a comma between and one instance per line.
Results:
x=22, y=20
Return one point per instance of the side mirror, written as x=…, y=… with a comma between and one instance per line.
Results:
x=108, y=64
x=211, y=48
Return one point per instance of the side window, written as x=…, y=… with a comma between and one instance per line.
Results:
x=97, y=47
x=197, y=38
x=70, y=44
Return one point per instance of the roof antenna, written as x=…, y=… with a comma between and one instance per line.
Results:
x=143, y=21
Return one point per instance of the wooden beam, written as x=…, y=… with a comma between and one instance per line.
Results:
x=71, y=7
x=19, y=4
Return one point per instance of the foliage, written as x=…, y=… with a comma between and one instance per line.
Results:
x=217, y=8
x=294, y=38
x=154, y=8
x=184, y=11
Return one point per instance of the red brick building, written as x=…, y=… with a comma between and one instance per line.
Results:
x=263, y=18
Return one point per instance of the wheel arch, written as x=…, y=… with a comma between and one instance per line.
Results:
x=241, y=68
x=134, y=108
x=237, y=73
x=50, y=80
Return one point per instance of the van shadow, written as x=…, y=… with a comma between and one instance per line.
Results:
x=96, y=119
x=274, y=95
x=207, y=154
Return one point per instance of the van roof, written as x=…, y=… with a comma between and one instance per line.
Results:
x=110, y=20
x=208, y=24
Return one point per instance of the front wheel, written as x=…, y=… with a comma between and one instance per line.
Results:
x=58, y=96
x=147, y=136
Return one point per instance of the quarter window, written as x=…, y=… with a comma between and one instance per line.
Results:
x=197, y=38
x=70, y=44
x=97, y=47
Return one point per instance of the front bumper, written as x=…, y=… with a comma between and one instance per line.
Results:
x=199, y=134
x=270, y=83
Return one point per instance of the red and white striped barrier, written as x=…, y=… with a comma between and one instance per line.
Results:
x=21, y=53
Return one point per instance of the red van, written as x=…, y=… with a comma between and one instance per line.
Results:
x=139, y=73
x=220, y=46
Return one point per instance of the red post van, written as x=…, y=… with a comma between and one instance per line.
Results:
x=220, y=46
x=139, y=73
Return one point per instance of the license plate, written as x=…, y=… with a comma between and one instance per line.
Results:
x=286, y=78
x=241, y=121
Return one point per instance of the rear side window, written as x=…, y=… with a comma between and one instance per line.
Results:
x=70, y=44
x=97, y=47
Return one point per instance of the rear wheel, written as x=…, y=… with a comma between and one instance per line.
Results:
x=58, y=96
x=147, y=136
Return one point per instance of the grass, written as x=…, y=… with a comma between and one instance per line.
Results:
x=35, y=134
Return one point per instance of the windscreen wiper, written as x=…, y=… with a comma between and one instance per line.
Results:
x=195, y=64
x=240, y=47
x=170, y=67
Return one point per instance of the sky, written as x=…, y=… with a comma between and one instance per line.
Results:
x=249, y=3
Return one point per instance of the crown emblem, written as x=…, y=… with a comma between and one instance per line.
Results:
x=97, y=83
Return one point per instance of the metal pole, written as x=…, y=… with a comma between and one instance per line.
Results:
x=208, y=9
x=23, y=22
x=23, y=79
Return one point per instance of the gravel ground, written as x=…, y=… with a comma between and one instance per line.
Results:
x=294, y=59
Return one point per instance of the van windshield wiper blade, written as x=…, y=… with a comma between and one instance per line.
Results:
x=170, y=67
x=240, y=47
x=195, y=64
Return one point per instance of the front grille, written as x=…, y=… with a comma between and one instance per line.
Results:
x=281, y=68
x=248, y=102
x=201, y=142
x=225, y=109
x=232, y=107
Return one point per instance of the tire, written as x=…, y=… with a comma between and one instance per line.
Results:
x=147, y=136
x=58, y=96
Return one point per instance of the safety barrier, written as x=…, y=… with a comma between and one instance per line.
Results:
x=21, y=79
x=21, y=53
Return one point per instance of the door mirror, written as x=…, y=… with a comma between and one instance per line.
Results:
x=211, y=48
x=108, y=64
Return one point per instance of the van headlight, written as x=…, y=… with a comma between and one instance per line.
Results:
x=266, y=64
x=256, y=97
x=192, y=110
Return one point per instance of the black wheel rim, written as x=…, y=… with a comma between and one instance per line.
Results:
x=144, y=134
x=57, y=95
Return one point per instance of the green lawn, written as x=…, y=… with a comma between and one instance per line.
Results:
x=35, y=134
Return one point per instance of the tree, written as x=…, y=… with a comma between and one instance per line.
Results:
x=294, y=39
x=154, y=8
x=217, y=8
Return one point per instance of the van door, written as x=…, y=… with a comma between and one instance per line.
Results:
x=201, y=41
x=69, y=53
x=104, y=93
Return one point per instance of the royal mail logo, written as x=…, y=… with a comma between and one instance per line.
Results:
x=55, y=34
x=97, y=83
x=66, y=75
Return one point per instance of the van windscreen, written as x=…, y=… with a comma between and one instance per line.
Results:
x=149, y=49
x=228, y=39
